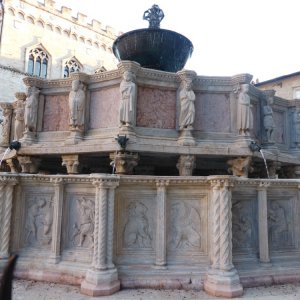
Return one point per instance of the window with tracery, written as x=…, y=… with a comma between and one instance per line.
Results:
x=71, y=66
x=38, y=62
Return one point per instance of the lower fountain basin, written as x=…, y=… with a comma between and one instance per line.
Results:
x=154, y=48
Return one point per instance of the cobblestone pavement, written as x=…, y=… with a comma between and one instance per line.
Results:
x=32, y=290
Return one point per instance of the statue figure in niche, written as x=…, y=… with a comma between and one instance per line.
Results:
x=244, y=113
x=31, y=107
x=136, y=231
x=128, y=92
x=35, y=210
x=187, y=106
x=296, y=120
x=278, y=225
x=185, y=226
x=154, y=16
x=268, y=119
x=77, y=105
x=84, y=228
x=19, y=119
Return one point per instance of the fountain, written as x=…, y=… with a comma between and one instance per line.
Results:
x=188, y=204
x=154, y=48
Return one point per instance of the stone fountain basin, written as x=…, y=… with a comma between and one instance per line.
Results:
x=154, y=48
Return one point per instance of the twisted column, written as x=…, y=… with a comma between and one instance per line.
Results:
x=6, y=199
x=161, y=221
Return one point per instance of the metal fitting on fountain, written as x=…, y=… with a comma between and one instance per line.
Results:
x=254, y=146
x=122, y=141
x=15, y=145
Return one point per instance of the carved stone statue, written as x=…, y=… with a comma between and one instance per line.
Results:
x=240, y=166
x=19, y=118
x=244, y=113
x=154, y=15
x=31, y=107
x=128, y=92
x=187, y=107
x=77, y=105
x=6, y=123
x=268, y=119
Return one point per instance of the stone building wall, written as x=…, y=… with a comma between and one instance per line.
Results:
x=285, y=88
x=29, y=23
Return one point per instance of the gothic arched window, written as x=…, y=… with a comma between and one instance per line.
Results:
x=71, y=66
x=38, y=62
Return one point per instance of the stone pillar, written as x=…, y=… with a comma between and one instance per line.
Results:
x=264, y=256
x=6, y=199
x=71, y=162
x=57, y=219
x=29, y=164
x=7, y=109
x=102, y=278
x=186, y=164
x=161, y=225
x=222, y=278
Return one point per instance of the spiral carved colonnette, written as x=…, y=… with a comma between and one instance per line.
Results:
x=6, y=220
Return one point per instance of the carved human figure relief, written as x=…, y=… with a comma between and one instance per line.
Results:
x=136, y=232
x=128, y=90
x=187, y=105
x=77, y=101
x=38, y=227
x=31, y=108
x=278, y=224
x=244, y=113
x=185, y=226
x=19, y=119
x=241, y=225
x=83, y=228
x=269, y=124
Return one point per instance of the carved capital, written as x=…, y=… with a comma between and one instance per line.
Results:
x=71, y=162
x=83, y=77
x=124, y=162
x=186, y=164
x=187, y=75
x=160, y=183
x=20, y=96
x=108, y=183
x=127, y=65
x=263, y=185
x=12, y=164
x=29, y=164
x=240, y=166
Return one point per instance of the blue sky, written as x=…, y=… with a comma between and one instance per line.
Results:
x=260, y=37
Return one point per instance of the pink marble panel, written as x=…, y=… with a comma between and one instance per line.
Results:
x=156, y=108
x=56, y=113
x=279, y=132
x=212, y=112
x=104, y=108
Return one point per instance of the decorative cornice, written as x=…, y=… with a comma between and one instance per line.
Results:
x=105, y=76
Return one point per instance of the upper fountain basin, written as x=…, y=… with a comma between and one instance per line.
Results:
x=154, y=48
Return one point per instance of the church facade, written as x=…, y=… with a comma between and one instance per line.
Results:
x=37, y=39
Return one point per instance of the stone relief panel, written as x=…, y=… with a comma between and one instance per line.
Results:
x=56, y=113
x=104, y=108
x=186, y=223
x=80, y=221
x=282, y=210
x=244, y=222
x=279, y=131
x=135, y=218
x=212, y=112
x=38, y=220
x=156, y=108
